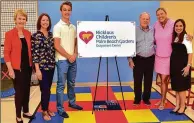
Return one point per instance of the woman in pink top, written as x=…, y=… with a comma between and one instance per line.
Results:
x=163, y=38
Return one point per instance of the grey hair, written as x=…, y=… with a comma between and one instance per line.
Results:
x=144, y=13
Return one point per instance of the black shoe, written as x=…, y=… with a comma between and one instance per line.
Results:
x=29, y=117
x=147, y=102
x=75, y=106
x=173, y=112
x=64, y=115
x=19, y=121
x=178, y=113
x=136, y=102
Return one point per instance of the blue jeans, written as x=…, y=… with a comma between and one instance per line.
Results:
x=66, y=71
x=55, y=76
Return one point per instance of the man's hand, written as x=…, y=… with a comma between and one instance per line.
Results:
x=131, y=64
x=72, y=58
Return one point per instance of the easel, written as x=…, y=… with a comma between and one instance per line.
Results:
x=107, y=19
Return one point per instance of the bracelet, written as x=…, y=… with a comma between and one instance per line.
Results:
x=189, y=65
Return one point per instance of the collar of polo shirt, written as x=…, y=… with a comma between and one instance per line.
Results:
x=146, y=30
x=63, y=23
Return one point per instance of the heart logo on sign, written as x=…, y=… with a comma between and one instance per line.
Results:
x=86, y=36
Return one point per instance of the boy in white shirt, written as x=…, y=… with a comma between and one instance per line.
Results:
x=65, y=43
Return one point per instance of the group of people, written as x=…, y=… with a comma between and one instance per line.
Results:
x=43, y=50
x=167, y=48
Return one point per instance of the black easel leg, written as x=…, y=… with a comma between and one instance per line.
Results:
x=96, y=84
x=120, y=82
x=107, y=77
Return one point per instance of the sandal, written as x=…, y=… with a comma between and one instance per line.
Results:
x=50, y=113
x=46, y=116
x=161, y=107
x=158, y=103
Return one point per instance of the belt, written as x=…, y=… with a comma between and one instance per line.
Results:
x=138, y=56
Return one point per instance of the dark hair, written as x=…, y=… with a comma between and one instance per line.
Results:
x=38, y=25
x=161, y=9
x=181, y=36
x=66, y=3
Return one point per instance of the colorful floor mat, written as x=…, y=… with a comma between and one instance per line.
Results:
x=105, y=114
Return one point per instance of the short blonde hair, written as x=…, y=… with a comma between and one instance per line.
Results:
x=21, y=12
x=163, y=9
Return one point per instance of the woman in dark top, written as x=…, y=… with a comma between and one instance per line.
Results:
x=43, y=55
x=180, y=65
x=18, y=58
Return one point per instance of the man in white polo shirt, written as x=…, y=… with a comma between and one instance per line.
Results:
x=65, y=42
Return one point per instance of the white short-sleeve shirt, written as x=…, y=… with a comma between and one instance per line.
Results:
x=67, y=34
x=188, y=45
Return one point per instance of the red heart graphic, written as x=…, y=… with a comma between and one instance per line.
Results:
x=86, y=36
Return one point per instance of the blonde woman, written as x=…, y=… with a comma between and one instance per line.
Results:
x=163, y=37
x=18, y=58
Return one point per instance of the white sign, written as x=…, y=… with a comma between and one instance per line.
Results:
x=106, y=39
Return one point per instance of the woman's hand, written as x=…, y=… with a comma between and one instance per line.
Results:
x=39, y=74
x=186, y=70
x=11, y=73
x=189, y=37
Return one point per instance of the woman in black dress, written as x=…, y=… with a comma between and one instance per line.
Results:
x=180, y=65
